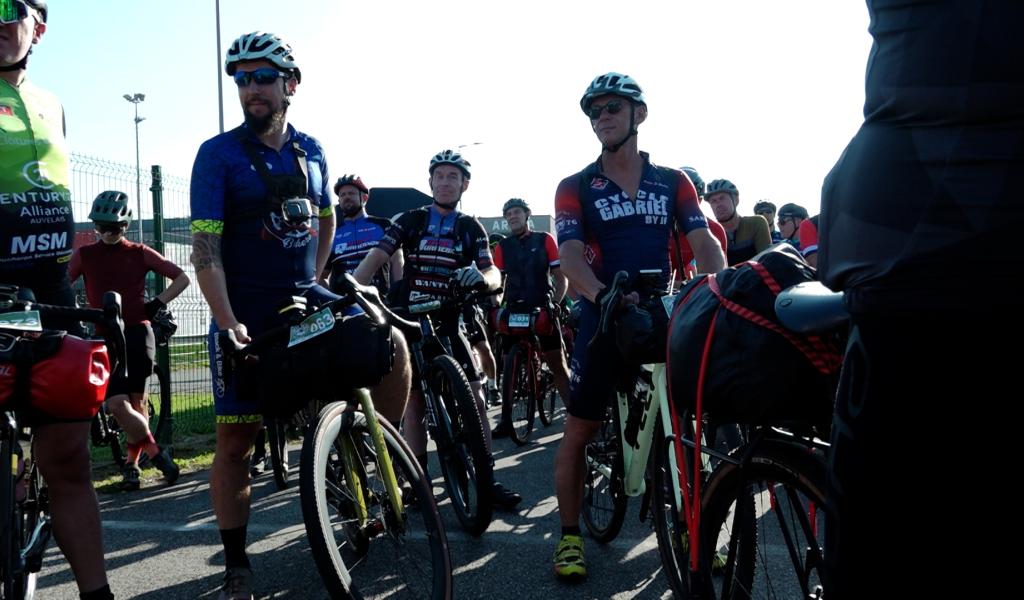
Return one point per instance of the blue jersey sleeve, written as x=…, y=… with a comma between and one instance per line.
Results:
x=206, y=192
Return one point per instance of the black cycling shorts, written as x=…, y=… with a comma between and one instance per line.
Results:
x=594, y=370
x=141, y=352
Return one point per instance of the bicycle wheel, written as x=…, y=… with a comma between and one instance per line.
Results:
x=518, y=391
x=278, y=440
x=547, y=401
x=766, y=518
x=110, y=434
x=385, y=553
x=465, y=462
x=604, y=497
x=21, y=516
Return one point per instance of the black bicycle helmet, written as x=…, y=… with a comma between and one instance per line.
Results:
x=111, y=207
x=723, y=185
x=792, y=210
x=494, y=239
x=763, y=205
x=695, y=179
x=514, y=203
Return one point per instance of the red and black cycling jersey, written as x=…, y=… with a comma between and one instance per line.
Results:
x=527, y=261
x=435, y=245
x=809, y=236
x=622, y=233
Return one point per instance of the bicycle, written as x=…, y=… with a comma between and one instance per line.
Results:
x=527, y=384
x=24, y=502
x=761, y=514
x=547, y=405
x=360, y=487
x=452, y=418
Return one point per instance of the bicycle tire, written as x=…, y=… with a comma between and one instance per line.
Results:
x=782, y=479
x=604, y=495
x=669, y=523
x=278, y=440
x=17, y=581
x=547, y=402
x=518, y=390
x=345, y=563
x=465, y=461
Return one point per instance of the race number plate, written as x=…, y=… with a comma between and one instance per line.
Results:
x=22, y=321
x=518, y=320
x=314, y=325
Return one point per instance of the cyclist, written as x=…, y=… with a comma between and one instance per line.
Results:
x=616, y=214
x=528, y=261
x=919, y=227
x=790, y=217
x=34, y=254
x=257, y=238
x=114, y=263
x=679, y=252
x=442, y=246
x=747, y=235
x=809, y=240
x=357, y=233
x=767, y=210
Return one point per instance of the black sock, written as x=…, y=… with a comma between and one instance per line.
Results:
x=574, y=530
x=234, y=547
x=422, y=459
x=103, y=593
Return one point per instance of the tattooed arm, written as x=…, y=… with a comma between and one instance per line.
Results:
x=206, y=258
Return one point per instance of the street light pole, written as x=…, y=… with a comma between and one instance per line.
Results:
x=136, y=99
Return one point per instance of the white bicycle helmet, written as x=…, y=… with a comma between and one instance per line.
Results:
x=450, y=157
x=261, y=46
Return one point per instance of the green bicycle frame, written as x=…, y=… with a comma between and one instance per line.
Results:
x=351, y=458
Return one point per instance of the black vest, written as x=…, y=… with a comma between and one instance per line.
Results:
x=527, y=277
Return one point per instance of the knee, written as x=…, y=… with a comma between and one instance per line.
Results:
x=118, y=406
x=235, y=442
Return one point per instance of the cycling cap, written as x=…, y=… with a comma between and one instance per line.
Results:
x=612, y=83
x=262, y=46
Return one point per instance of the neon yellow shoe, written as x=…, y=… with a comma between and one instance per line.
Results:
x=569, y=562
x=718, y=561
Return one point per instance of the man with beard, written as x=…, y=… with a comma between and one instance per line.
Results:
x=262, y=225
x=443, y=246
x=32, y=135
x=357, y=234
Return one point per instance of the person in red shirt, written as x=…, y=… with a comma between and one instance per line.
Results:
x=115, y=264
x=808, y=233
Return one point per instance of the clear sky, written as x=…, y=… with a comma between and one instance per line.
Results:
x=764, y=93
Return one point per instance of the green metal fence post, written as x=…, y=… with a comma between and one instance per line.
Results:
x=163, y=353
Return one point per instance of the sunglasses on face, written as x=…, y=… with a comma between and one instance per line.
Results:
x=109, y=227
x=12, y=11
x=264, y=76
x=613, y=108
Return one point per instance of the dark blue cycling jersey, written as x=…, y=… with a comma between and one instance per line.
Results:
x=265, y=259
x=353, y=240
x=622, y=233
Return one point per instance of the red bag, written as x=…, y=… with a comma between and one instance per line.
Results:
x=69, y=375
x=512, y=321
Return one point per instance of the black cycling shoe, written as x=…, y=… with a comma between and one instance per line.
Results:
x=503, y=430
x=167, y=466
x=505, y=498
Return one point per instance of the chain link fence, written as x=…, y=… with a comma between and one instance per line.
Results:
x=162, y=222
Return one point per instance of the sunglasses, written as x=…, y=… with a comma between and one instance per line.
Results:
x=110, y=227
x=595, y=110
x=264, y=76
x=12, y=11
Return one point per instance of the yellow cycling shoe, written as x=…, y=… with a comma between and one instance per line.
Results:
x=569, y=562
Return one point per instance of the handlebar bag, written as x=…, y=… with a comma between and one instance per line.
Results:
x=724, y=334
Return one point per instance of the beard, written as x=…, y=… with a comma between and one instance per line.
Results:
x=351, y=210
x=261, y=125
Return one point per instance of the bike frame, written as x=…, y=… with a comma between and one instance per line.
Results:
x=350, y=458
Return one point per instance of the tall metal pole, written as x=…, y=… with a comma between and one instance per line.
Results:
x=220, y=75
x=135, y=99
